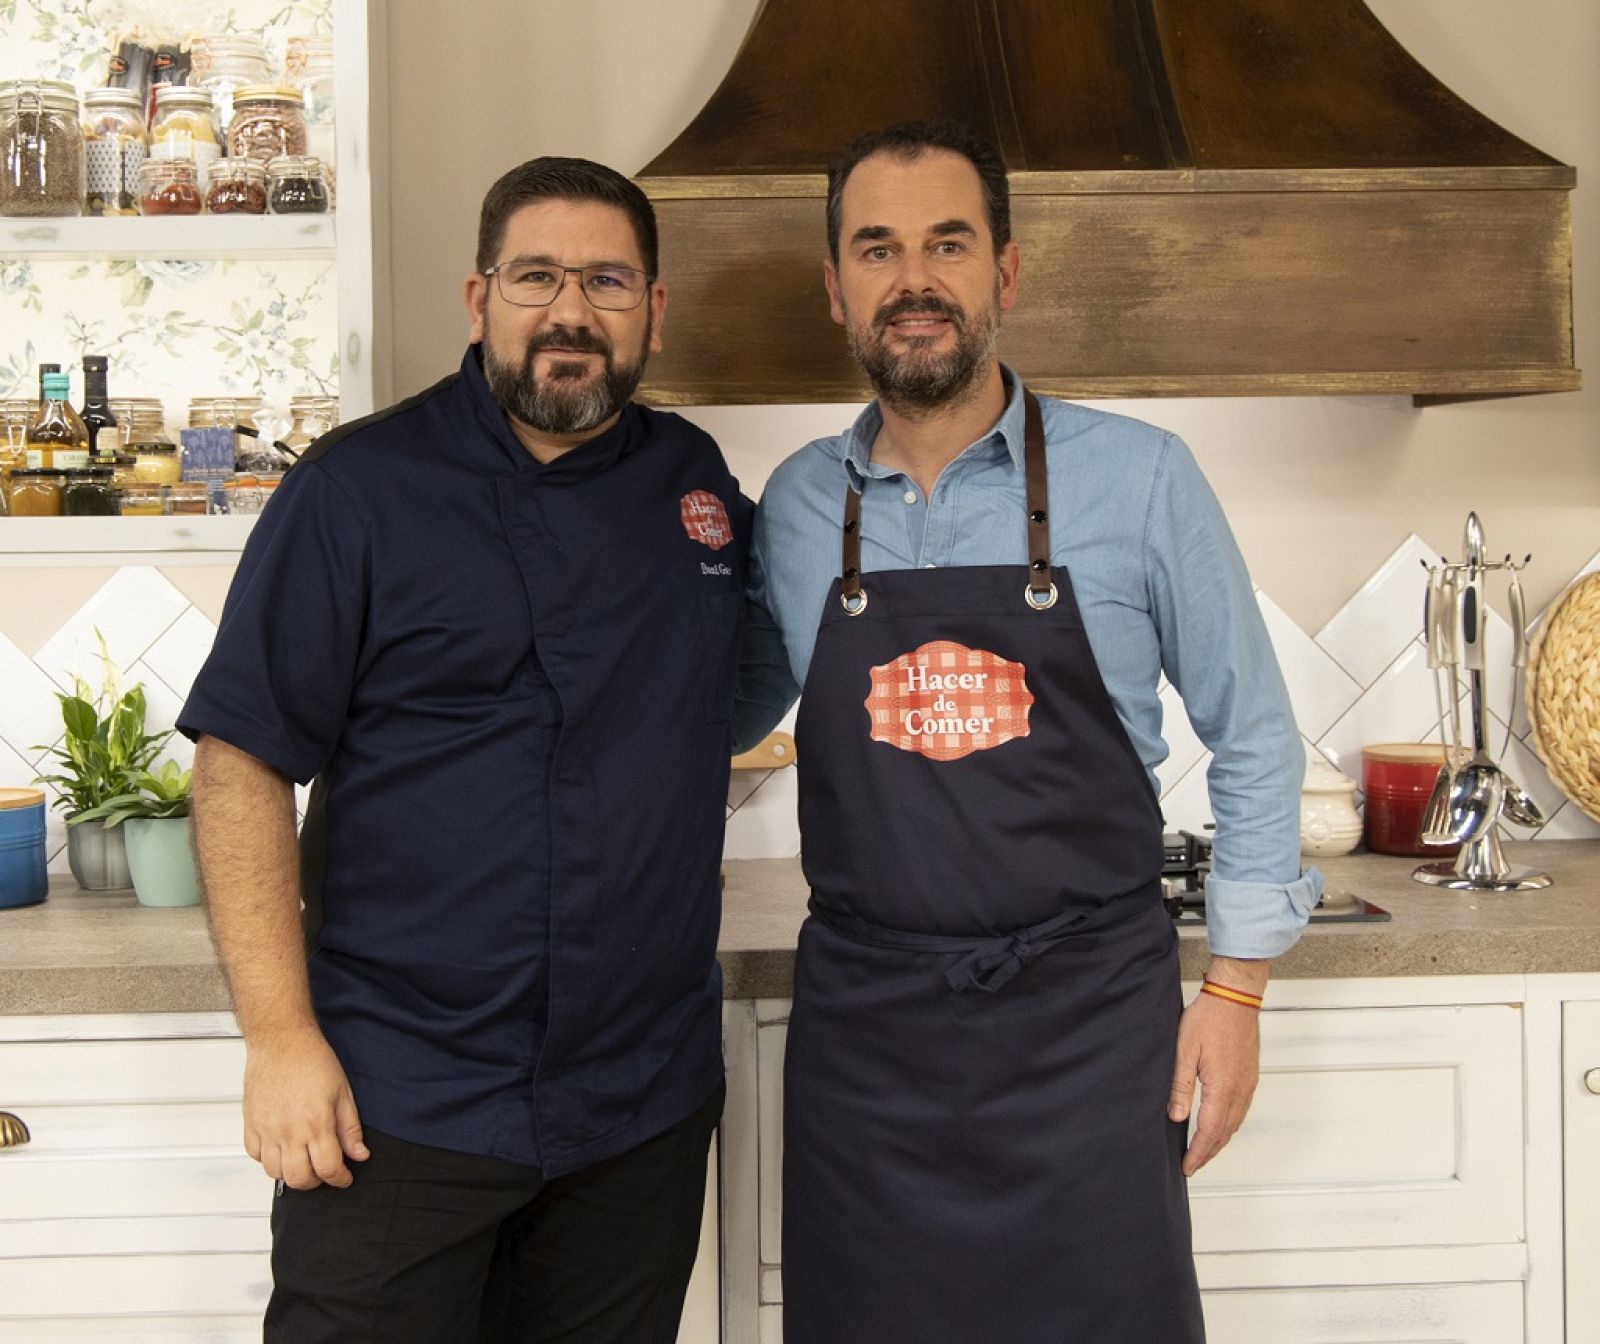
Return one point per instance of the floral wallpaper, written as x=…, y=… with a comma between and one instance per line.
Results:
x=177, y=328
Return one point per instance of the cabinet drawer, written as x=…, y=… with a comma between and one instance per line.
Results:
x=124, y=1130
x=1374, y=1127
x=1454, y=1313
x=78, y=1288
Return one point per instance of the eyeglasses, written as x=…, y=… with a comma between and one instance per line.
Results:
x=535, y=284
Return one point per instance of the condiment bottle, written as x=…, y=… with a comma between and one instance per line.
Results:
x=57, y=438
x=105, y=435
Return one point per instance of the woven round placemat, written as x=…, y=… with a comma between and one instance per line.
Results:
x=1563, y=693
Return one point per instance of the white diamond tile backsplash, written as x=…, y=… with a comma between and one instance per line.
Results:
x=1319, y=688
x=156, y=634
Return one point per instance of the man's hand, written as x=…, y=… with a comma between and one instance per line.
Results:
x=300, y=1118
x=1219, y=1043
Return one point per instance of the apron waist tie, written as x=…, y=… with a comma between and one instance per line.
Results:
x=989, y=964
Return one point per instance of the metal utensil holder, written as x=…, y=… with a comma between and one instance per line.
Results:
x=1481, y=865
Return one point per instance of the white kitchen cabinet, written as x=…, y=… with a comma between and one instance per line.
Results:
x=1581, y=1126
x=1399, y=1178
x=133, y=1213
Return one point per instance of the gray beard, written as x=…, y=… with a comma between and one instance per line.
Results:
x=914, y=385
x=568, y=400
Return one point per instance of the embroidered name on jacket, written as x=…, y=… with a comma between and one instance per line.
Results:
x=705, y=519
x=945, y=701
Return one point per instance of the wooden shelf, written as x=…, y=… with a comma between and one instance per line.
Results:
x=232, y=236
x=114, y=541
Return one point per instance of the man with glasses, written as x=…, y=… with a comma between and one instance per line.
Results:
x=498, y=624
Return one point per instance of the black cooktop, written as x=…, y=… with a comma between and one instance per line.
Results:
x=1186, y=862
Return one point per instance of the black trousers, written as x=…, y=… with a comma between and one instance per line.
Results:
x=434, y=1247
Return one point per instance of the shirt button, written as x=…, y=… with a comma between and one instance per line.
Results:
x=910, y=496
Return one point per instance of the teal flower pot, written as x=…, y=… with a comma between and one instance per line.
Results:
x=162, y=862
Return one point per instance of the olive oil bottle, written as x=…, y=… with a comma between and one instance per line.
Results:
x=57, y=439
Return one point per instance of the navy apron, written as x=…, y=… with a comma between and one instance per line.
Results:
x=986, y=1003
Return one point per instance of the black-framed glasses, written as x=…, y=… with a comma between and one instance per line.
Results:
x=535, y=284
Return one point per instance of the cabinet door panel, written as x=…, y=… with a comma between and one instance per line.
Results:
x=1374, y=1127
x=1458, y=1313
x=1580, y=1053
x=56, y=1073
x=131, y=1285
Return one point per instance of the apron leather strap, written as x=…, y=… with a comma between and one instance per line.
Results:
x=1041, y=593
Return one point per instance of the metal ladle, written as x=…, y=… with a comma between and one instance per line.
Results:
x=1477, y=793
x=1519, y=803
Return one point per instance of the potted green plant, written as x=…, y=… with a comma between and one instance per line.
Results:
x=155, y=814
x=104, y=747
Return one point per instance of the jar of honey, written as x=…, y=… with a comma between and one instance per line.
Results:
x=142, y=499
x=156, y=463
x=36, y=492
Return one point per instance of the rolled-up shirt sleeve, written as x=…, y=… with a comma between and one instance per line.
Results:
x=280, y=676
x=1216, y=652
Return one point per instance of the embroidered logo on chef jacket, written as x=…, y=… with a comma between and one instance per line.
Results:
x=945, y=701
x=705, y=520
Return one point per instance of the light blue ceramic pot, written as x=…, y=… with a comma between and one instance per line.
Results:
x=161, y=861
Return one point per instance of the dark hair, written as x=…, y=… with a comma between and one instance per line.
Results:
x=909, y=140
x=553, y=179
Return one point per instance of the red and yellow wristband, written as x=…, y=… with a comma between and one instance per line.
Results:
x=1239, y=996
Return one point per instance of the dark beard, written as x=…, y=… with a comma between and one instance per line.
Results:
x=912, y=383
x=568, y=400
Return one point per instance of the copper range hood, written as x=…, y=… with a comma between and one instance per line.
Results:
x=1239, y=197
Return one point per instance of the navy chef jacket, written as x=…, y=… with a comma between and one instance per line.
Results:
x=512, y=682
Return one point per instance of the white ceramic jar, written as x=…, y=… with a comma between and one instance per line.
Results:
x=1329, y=822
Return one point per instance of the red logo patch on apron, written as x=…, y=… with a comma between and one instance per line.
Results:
x=705, y=520
x=945, y=701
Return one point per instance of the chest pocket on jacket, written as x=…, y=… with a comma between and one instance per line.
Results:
x=719, y=630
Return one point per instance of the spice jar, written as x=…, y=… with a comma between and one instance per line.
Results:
x=236, y=187
x=15, y=417
x=41, y=148
x=142, y=499
x=141, y=419
x=156, y=463
x=268, y=123
x=36, y=493
x=221, y=63
x=295, y=186
x=308, y=63
x=115, y=143
x=189, y=497
x=169, y=187
x=223, y=412
x=184, y=127
x=88, y=492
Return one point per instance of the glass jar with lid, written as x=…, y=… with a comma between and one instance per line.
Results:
x=157, y=463
x=169, y=187
x=88, y=492
x=115, y=143
x=223, y=62
x=223, y=412
x=295, y=186
x=185, y=126
x=36, y=492
x=142, y=499
x=268, y=123
x=41, y=148
x=308, y=64
x=141, y=419
x=15, y=417
x=188, y=497
x=236, y=187
x=313, y=417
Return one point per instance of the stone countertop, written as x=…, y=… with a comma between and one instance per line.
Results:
x=84, y=952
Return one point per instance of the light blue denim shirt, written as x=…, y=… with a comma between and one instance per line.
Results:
x=1161, y=585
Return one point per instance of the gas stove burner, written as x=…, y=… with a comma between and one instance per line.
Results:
x=1186, y=861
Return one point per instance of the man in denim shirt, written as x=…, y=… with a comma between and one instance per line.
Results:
x=990, y=1070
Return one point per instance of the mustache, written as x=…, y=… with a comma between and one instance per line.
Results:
x=579, y=339
x=908, y=304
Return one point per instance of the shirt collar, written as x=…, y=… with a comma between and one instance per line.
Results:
x=1008, y=437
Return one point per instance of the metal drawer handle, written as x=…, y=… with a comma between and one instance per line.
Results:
x=13, y=1133
x=1591, y=1080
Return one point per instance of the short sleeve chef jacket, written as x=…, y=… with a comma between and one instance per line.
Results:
x=513, y=684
